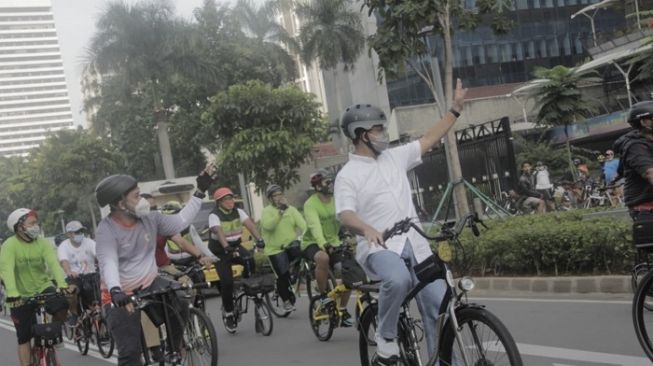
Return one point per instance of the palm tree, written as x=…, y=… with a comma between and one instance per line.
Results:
x=144, y=48
x=331, y=34
x=560, y=101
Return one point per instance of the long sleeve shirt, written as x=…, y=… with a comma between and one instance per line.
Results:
x=126, y=253
x=29, y=268
x=279, y=230
x=323, y=226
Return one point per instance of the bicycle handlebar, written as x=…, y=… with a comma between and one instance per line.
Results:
x=144, y=295
x=42, y=298
x=446, y=233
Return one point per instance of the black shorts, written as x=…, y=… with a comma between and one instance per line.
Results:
x=88, y=286
x=24, y=316
x=312, y=249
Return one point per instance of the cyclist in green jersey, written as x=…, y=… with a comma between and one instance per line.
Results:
x=28, y=264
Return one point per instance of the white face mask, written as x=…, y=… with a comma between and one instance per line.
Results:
x=33, y=231
x=142, y=208
x=77, y=238
x=380, y=143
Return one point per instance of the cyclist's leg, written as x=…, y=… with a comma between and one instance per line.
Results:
x=125, y=328
x=321, y=260
x=395, y=285
x=428, y=301
x=280, y=266
x=73, y=300
x=247, y=260
x=223, y=267
x=23, y=317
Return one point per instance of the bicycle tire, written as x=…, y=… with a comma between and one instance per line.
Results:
x=308, y=279
x=470, y=319
x=200, y=340
x=636, y=277
x=51, y=357
x=367, y=323
x=325, y=318
x=644, y=290
x=276, y=304
x=82, y=332
x=263, y=318
x=103, y=338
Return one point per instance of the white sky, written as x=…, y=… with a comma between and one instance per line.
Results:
x=75, y=22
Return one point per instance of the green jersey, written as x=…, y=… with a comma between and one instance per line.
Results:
x=29, y=268
x=279, y=230
x=322, y=224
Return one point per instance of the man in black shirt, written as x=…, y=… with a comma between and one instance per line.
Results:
x=636, y=150
x=530, y=198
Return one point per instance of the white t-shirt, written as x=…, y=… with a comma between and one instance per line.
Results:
x=379, y=192
x=542, y=180
x=81, y=259
x=214, y=221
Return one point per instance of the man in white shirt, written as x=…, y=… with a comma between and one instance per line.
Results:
x=372, y=192
x=77, y=257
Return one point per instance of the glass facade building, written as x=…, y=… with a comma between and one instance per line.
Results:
x=543, y=35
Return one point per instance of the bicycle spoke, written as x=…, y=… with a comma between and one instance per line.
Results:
x=482, y=346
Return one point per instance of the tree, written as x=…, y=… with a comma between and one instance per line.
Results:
x=401, y=39
x=15, y=189
x=559, y=100
x=63, y=173
x=143, y=48
x=263, y=132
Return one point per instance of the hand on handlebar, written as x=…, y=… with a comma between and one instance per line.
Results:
x=120, y=299
x=205, y=261
x=374, y=237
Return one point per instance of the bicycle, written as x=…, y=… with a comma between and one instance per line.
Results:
x=199, y=343
x=46, y=333
x=254, y=289
x=460, y=334
x=324, y=319
x=91, y=326
x=300, y=270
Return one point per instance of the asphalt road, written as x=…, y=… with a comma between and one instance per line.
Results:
x=584, y=331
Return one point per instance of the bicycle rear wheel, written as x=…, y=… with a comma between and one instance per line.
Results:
x=366, y=330
x=263, y=318
x=103, y=338
x=51, y=357
x=322, y=318
x=642, y=317
x=275, y=303
x=82, y=335
x=200, y=340
x=486, y=341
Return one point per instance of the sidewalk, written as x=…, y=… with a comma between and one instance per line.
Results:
x=557, y=285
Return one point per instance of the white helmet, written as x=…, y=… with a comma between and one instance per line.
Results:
x=16, y=216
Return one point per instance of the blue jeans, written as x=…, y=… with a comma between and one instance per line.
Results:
x=396, y=282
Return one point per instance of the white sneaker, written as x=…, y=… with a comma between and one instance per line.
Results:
x=288, y=306
x=384, y=348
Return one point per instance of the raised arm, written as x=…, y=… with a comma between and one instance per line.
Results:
x=435, y=133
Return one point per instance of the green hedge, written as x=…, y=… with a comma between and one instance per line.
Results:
x=549, y=244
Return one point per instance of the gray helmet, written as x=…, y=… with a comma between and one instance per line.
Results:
x=639, y=111
x=363, y=116
x=112, y=188
x=272, y=189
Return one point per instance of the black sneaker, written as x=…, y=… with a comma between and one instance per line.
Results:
x=345, y=319
x=230, y=322
x=156, y=353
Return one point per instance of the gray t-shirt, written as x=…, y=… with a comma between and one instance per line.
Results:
x=126, y=254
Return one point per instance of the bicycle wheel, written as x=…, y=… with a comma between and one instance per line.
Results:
x=323, y=319
x=51, y=357
x=82, y=335
x=638, y=273
x=275, y=303
x=262, y=318
x=308, y=279
x=643, y=320
x=366, y=330
x=408, y=344
x=103, y=338
x=200, y=340
x=67, y=328
x=486, y=341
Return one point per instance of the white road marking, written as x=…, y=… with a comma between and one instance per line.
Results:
x=570, y=301
x=92, y=349
x=561, y=364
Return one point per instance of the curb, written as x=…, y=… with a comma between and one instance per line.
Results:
x=557, y=285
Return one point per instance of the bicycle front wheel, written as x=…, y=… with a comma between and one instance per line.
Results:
x=485, y=341
x=322, y=318
x=200, y=341
x=51, y=357
x=642, y=317
x=263, y=318
x=275, y=303
x=366, y=330
x=82, y=333
x=103, y=338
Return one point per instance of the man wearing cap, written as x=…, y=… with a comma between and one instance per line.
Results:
x=77, y=256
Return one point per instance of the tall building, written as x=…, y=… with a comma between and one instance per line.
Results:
x=33, y=95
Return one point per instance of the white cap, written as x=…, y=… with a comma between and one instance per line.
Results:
x=74, y=226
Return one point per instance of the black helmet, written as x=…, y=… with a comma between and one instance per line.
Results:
x=272, y=189
x=639, y=111
x=317, y=177
x=112, y=188
x=363, y=116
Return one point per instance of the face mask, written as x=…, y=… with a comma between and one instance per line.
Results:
x=77, y=238
x=228, y=205
x=326, y=188
x=379, y=143
x=33, y=232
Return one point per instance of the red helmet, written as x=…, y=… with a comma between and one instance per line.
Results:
x=221, y=193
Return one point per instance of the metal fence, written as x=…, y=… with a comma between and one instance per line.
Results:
x=487, y=159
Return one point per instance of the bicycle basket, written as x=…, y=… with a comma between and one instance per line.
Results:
x=49, y=333
x=352, y=273
x=430, y=269
x=643, y=234
x=258, y=285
